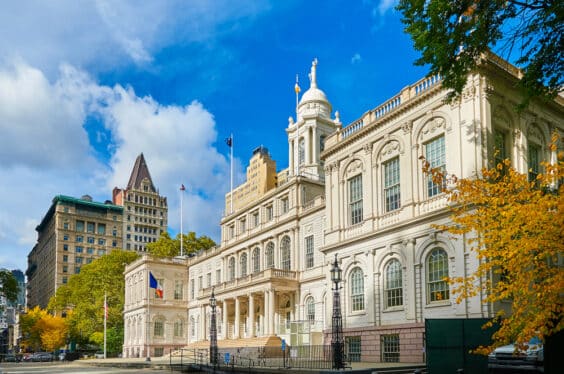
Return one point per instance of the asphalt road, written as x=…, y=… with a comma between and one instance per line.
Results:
x=66, y=367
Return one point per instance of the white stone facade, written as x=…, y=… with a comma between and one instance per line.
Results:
x=358, y=192
x=152, y=324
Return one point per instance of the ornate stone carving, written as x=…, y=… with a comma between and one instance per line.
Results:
x=469, y=92
x=406, y=127
x=368, y=148
x=391, y=148
x=354, y=167
x=433, y=125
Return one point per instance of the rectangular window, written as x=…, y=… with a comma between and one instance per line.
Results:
x=435, y=156
x=208, y=280
x=101, y=229
x=78, y=249
x=392, y=184
x=218, y=276
x=192, y=291
x=243, y=225
x=78, y=260
x=65, y=258
x=284, y=205
x=309, y=251
x=65, y=237
x=354, y=348
x=355, y=199
x=65, y=269
x=65, y=247
x=65, y=280
x=231, y=231
x=159, y=328
x=200, y=282
x=90, y=250
x=90, y=240
x=269, y=213
x=390, y=345
x=79, y=226
x=178, y=286
x=79, y=238
x=90, y=227
x=101, y=252
x=255, y=219
x=66, y=225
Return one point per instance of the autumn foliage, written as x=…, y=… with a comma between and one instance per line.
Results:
x=515, y=228
x=42, y=331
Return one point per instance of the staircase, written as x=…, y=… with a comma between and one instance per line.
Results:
x=258, y=342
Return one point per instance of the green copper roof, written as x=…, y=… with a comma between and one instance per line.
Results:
x=73, y=200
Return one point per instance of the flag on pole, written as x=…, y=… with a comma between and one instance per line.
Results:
x=229, y=141
x=154, y=284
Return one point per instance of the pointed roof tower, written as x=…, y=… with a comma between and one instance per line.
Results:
x=139, y=173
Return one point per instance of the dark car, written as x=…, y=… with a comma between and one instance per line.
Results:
x=42, y=357
x=11, y=358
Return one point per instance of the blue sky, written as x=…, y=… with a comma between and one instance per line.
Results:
x=86, y=86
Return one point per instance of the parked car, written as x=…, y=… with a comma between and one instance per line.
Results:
x=11, y=358
x=42, y=357
x=507, y=358
x=26, y=357
x=99, y=354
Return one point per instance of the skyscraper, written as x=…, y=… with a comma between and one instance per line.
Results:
x=145, y=214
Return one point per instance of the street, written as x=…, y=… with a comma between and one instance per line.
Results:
x=67, y=368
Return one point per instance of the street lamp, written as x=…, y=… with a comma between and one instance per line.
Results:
x=337, y=335
x=213, y=331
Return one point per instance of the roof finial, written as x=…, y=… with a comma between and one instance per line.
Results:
x=313, y=74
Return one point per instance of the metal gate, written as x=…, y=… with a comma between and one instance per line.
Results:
x=448, y=343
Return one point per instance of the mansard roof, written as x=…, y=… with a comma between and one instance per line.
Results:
x=140, y=171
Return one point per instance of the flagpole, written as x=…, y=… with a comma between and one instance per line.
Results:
x=297, y=144
x=105, y=320
x=147, y=333
x=231, y=190
x=182, y=188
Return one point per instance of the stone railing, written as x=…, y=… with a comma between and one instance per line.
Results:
x=407, y=94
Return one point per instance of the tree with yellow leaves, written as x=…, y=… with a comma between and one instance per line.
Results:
x=42, y=331
x=515, y=227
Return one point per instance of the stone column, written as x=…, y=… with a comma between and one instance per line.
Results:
x=202, y=323
x=224, y=317
x=314, y=145
x=272, y=313
x=251, y=314
x=237, y=318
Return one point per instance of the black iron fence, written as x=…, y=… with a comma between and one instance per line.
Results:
x=303, y=357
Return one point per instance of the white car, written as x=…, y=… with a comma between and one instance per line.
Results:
x=508, y=358
x=99, y=354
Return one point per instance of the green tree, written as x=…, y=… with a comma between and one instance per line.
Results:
x=452, y=34
x=514, y=226
x=168, y=247
x=84, y=296
x=8, y=285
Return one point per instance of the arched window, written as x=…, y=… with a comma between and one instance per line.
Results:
x=437, y=272
x=310, y=309
x=192, y=327
x=393, y=284
x=256, y=260
x=301, y=151
x=243, y=265
x=269, y=255
x=357, y=290
x=232, y=268
x=158, y=329
x=285, y=253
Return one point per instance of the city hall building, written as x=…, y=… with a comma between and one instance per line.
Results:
x=356, y=193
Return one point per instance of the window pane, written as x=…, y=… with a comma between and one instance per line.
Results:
x=270, y=255
x=392, y=184
x=437, y=271
x=285, y=253
x=357, y=290
x=355, y=199
x=309, y=251
x=435, y=155
x=394, y=291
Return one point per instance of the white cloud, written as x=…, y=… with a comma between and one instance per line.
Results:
x=356, y=58
x=385, y=5
x=45, y=151
x=101, y=34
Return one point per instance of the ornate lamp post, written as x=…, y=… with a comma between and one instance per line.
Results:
x=213, y=331
x=337, y=335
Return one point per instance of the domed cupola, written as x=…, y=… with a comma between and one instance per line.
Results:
x=314, y=102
